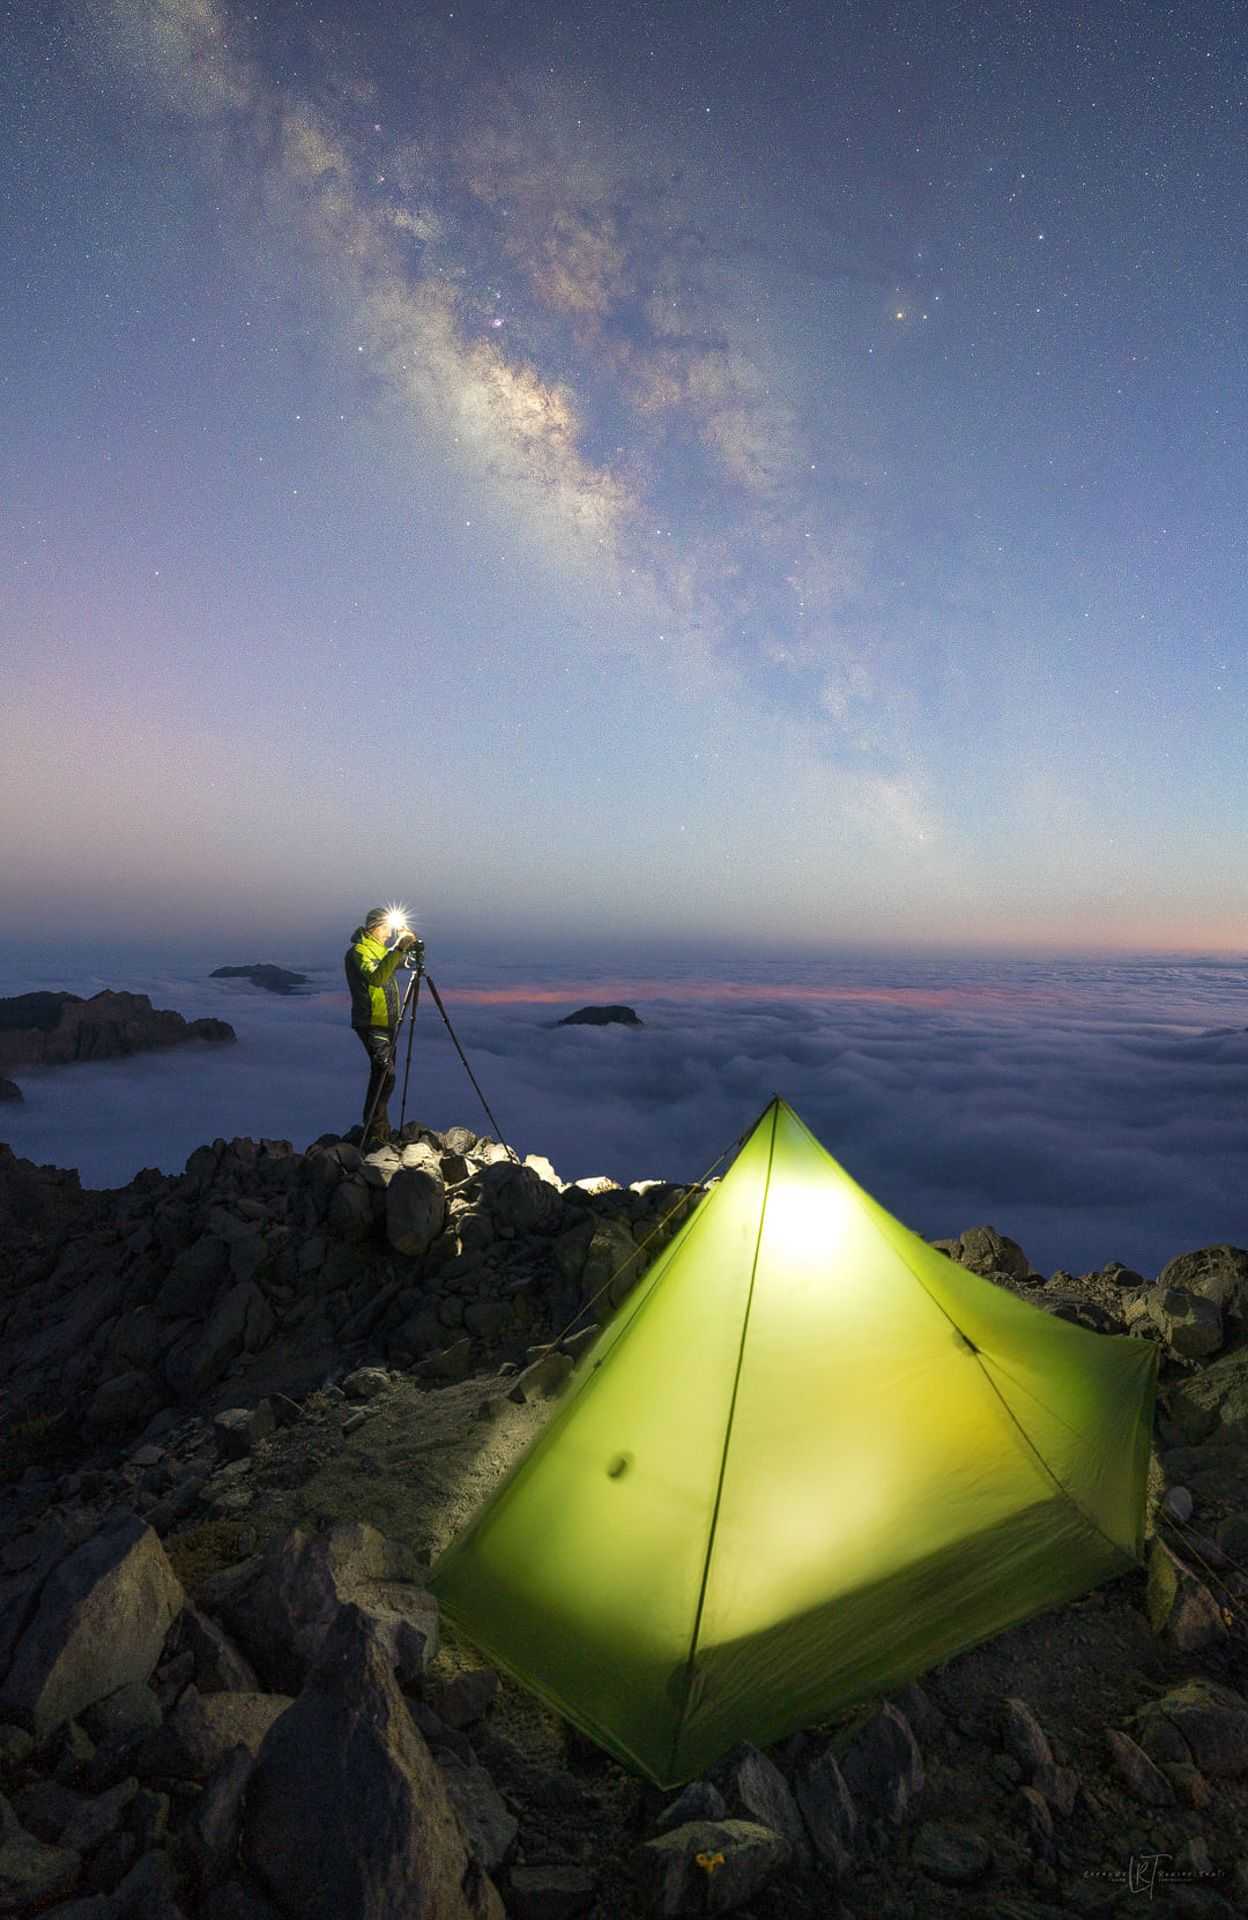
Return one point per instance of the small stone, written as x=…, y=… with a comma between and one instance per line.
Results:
x=1025, y=1738
x=238, y=1429
x=366, y=1383
x=1177, y=1504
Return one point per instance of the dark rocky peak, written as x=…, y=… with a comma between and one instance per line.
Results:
x=52, y=1029
x=36, y=1012
x=601, y=1017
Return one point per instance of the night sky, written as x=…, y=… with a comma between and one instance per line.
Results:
x=729, y=472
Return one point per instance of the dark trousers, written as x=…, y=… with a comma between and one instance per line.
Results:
x=378, y=1044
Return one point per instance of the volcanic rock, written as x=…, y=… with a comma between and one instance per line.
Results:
x=100, y=1621
x=347, y=1812
x=284, y=1604
x=51, y=1029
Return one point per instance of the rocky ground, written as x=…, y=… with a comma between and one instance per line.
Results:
x=244, y=1407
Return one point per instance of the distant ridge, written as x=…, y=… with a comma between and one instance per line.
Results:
x=601, y=1017
x=273, y=979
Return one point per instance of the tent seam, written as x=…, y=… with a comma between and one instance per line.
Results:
x=723, y=1461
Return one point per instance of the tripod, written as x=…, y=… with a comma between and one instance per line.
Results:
x=411, y=998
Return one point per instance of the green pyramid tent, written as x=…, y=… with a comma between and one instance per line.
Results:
x=808, y=1458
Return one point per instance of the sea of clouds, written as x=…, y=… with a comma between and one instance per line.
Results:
x=1094, y=1110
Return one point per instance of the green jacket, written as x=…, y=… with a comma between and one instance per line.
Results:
x=375, y=998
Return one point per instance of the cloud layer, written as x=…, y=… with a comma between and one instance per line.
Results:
x=1092, y=1114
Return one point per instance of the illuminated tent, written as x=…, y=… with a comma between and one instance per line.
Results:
x=808, y=1458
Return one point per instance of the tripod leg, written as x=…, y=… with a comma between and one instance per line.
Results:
x=407, y=1069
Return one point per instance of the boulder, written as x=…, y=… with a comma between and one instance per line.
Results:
x=1145, y=1781
x=760, y=1792
x=515, y=1196
x=1213, y=1404
x=1027, y=1743
x=465, y=1698
x=986, y=1251
x=612, y=1265
x=204, y=1728
x=32, y=1873
x=125, y=1401
x=237, y=1429
x=827, y=1807
x=415, y=1211
x=490, y=1827
x=882, y=1766
x=194, y=1278
x=101, y=1622
x=708, y=1866
x=96, y=1819
x=1180, y=1607
x=1218, y=1274
x=350, y=1213
x=346, y=1811
x=282, y=1614
x=1190, y=1325
x=219, y=1666
x=124, y=1716
x=700, y=1800
x=1212, y=1722
x=242, y=1318
x=212, y=1833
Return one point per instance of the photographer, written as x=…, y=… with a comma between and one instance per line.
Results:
x=376, y=1005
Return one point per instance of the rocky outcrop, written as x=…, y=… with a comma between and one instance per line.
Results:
x=52, y=1029
x=272, y=979
x=439, y=1250
x=601, y=1017
x=9, y=1090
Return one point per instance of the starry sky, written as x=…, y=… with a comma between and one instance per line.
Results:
x=722, y=473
